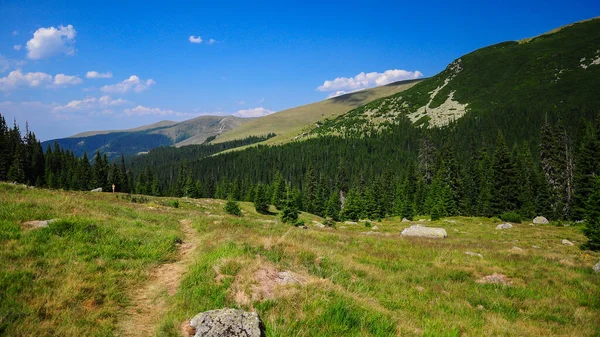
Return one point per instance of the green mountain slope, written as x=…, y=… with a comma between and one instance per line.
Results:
x=556, y=71
x=145, y=138
x=290, y=123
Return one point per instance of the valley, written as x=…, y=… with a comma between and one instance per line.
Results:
x=466, y=203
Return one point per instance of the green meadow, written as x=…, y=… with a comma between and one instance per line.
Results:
x=88, y=272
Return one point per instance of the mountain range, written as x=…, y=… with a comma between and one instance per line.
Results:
x=555, y=72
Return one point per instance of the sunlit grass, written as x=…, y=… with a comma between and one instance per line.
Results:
x=76, y=276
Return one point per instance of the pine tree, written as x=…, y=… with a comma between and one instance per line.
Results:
x=586, y=169
x=310, y=190
x=125, y=187
x=353, y=207
x=232, y=207
x=333, y=206
x=289, y=213
x=279, y=191
x=260, y=200
x=427, y=159
x=504, y=179
x=16, y=172
x=592, y=226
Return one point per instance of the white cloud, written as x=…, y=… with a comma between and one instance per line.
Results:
x=91, y=104
x=132, y=83
x=4, y=64
x=15, y=32
x=256, y=112
x=211, y=41
x=47, y=42
x=17, y=47
x=368, y=80
x=95, y=74
x=196, y=39
x=66, y=80
x=17, y=79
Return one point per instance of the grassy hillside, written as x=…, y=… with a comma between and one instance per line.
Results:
x=145, y=138
x=557, y=71
x=290, y=123
x=109, y=266
x=160, y=124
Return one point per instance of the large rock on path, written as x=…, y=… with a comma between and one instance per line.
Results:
x=227, y=323
x=425, y=232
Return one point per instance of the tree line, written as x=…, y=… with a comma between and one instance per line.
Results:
x=405, y=172
x=22, y=160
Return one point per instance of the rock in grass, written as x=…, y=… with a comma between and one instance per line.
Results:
x=516, y=249
x=505, y=225
x=474, y=254
x=567, y=242
x=35, y=224
x=597, y=267
x=374, y=228
x=495, y=278
x=351, y=222
x=227, y=323
x=318, y=224
x=425, y=232
x=540, y=220
x=99, y=189
x=405, y=220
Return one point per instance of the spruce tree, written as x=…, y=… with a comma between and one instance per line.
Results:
x=333, y=207
x=592, y=226
x=16, y=172
x=504, y=177
x=353, y=207
x=586, y=169
x=289, y=213
x=232, y=207
x=279, y=191
x=260, y=200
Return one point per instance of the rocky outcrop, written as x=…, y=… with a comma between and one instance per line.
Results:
x=227, y=323
x=540, y=220
x=425, y=232
x=597, y=267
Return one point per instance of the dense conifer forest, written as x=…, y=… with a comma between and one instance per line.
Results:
x=406, y=171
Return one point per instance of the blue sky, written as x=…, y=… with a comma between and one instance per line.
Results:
x=254, y=58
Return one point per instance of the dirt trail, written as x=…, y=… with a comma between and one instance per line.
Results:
x=149, y=303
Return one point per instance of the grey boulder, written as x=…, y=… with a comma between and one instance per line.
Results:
x=227, y=323
x=425, y=232
x=99, y=189
x=597, y=267
x=540, y=220
x=504, y=226
x=567, y=242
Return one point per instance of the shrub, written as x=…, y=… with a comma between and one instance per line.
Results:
x=368, y=224
x=511, y=217
x=175, y=204
x=233, y=207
